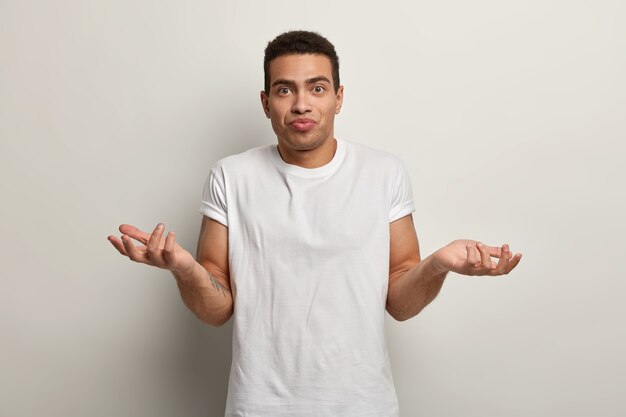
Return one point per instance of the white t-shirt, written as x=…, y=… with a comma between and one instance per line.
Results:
x=309, y=268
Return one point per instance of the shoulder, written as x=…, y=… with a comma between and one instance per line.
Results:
x=373, y=157
x=242, y=161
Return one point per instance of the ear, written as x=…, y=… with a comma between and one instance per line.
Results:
x=265, y=103
x=339, y=99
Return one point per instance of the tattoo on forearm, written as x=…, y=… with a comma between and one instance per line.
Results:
x=218, y=285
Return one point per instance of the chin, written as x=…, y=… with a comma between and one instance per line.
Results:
x=303, y=143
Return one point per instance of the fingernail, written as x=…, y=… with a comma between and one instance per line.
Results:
x=160, y=226
x=480, y=244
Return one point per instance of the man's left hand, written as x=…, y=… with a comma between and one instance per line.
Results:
x=469, y=257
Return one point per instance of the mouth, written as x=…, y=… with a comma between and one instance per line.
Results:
x=302, y=125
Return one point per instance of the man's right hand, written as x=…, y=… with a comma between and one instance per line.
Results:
x=155, y=251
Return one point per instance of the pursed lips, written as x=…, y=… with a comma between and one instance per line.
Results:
x=302, y=125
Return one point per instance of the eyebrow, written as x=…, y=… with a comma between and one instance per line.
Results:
x=308, y=81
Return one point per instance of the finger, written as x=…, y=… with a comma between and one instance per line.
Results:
x=117, y=244
x=154, y=242
x=135, y=233
x=513, y=262
x=473, y=257
x=503, y=262
x=168, y=250
x=485, y=257
x=494, y=251
x=131, y=250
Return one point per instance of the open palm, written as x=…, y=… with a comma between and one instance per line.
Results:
x=155, y=251
x=469, y=257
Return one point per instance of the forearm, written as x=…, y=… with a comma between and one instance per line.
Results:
x=205, y=296
x=414, y=290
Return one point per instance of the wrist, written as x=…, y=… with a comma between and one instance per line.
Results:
x=186, y=275
x=436, y=265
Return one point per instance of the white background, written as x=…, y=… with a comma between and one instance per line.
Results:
x=509, y=115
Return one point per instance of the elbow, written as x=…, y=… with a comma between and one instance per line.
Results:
x=216, y=320
x=213, y=321
x=403, y=315
x=399, y=316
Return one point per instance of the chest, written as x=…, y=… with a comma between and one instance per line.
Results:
x=324, y=216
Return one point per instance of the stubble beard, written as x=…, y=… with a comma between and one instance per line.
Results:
x=302, y=143
x=307, y=141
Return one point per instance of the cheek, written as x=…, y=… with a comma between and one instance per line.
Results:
x=277, y=119
x=331, y=107
x=277, y=112
x=330, y=112
x=272, y=113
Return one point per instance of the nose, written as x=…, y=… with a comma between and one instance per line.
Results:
x=301, y=104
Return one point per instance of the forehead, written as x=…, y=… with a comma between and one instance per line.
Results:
x=300, y=67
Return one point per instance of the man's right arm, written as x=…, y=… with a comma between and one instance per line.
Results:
x=204, y=284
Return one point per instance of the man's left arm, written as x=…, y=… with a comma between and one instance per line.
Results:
x=414, y=283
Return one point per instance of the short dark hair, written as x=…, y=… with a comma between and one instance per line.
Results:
x=300, y=42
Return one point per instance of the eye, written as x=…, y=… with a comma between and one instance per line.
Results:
x=283, y=90
x=318, y=89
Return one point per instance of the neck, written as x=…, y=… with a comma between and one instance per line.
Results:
x=309, y=158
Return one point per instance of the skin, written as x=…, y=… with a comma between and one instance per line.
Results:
x=301, y=88
x=414, y=283
x=204, y=283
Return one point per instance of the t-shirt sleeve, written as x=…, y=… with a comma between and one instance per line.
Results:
x=401, y=194
x=213, y=202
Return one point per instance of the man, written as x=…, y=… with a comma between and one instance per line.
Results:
x=306, y=243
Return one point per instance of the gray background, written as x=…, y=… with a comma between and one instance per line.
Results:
x=509, y=116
